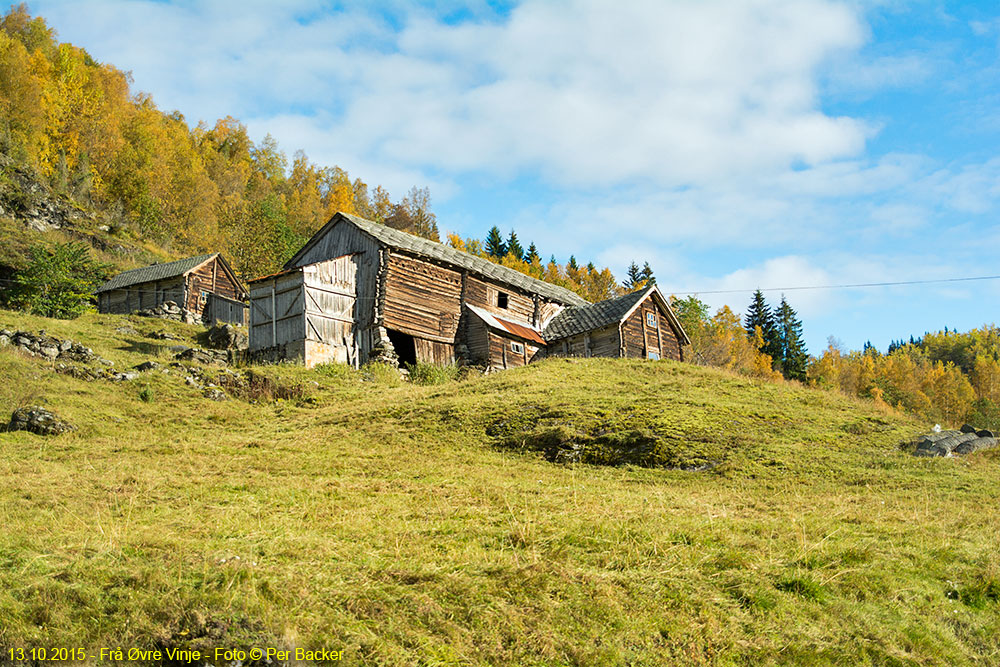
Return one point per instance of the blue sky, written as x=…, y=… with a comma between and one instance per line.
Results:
x=732, y=144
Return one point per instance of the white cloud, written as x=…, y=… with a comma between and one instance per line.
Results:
x=589, y=93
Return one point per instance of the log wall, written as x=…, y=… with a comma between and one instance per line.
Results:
x=210, y=277
x=422, y=299
x=142, y=295
x=640, y=338
x=484, y=294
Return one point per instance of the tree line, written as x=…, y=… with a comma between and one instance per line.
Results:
x=946, y=376
x=589, y=281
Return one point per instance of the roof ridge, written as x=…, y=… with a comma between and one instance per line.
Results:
x=441, y=252
x=153, y=272
x=173, y=261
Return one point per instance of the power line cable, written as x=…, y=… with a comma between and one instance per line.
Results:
x=843, y=286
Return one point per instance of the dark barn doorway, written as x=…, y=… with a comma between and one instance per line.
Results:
x=404, y=346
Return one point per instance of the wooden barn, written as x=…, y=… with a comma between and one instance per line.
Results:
x=204, y=285
x=359, y=289
x=638, y=325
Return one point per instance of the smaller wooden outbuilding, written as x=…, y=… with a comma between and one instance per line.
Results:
x=637, y=325
x=498, y=342
x=204, y=285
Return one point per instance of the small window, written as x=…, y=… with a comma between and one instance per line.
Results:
x=653, y=355
x=516, y=348
x=651, y=319
x=203, y=297
x=501, y=299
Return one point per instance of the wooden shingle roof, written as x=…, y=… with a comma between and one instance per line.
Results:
x=154, y=272
x=578, y=320
x=415, y=245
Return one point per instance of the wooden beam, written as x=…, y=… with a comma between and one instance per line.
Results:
x=274, y=317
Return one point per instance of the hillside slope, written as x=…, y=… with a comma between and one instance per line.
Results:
x=397, y=522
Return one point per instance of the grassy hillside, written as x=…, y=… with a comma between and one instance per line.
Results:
x=404, y=524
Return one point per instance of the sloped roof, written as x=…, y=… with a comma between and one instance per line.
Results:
x=513, y=328
x=409, y=243
x=577, y=320
x=148, y=274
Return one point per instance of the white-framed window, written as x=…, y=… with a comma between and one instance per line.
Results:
x=203, y=297
x=651, y=319
x=502, y=299
x=516, y=348
x=653, y=355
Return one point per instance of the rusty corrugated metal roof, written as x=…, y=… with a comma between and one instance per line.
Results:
x=523, y=331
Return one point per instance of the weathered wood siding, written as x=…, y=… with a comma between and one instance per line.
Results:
x=484, y=294
x=502, y=356
x=330, y=302
x=546, y=311
x=346, y=239
x=477, y=339
x=309, y=312
x=604, y=342
x=223, y=309
x=142, y=295
x=640, y=337
x=276, y=311
x=422, y=299
x=434, y=352
x=210, y=277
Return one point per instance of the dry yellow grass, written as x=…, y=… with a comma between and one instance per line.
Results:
x=383, y=520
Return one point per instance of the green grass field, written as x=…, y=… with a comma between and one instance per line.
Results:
x=406, y=524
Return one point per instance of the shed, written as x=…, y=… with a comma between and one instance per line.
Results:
x=205, y=285
x=639, y=325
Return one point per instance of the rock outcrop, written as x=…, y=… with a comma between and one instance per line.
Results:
x=228, y=337
x=38, y=420
x=200, y=356
x=49, y=347
x=169, y=310
x=949, y=443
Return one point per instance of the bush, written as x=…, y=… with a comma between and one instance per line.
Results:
x=382, y=374
x=426, y=374
x=59, y=281
x=146, y=394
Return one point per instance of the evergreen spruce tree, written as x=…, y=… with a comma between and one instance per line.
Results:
x=495, y=247
x=514, y=246
x=760, y=315
x=572, y=263
x=793, y=350
x=647, y=274
x=633, y=276
x=532, y=255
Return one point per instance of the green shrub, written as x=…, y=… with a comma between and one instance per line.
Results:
x=146, y=394
x=421, y=373
x=59, y=281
